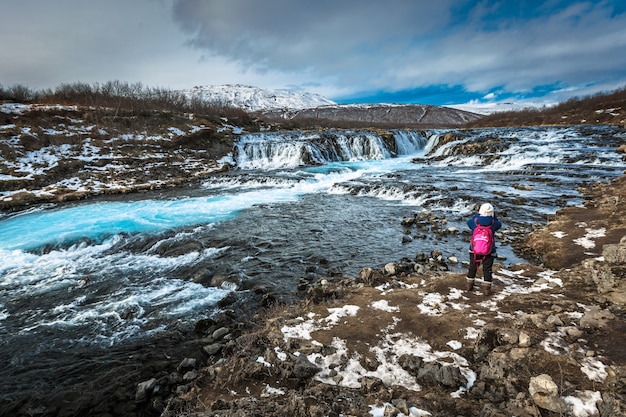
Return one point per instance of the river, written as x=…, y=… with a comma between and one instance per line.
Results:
x=94, y=295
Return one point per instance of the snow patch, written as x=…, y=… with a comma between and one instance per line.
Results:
x=594, y=369
x=384, y=306
x=584, y=404
x=586, y=241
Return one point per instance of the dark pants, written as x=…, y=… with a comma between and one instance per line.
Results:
x=487, y=264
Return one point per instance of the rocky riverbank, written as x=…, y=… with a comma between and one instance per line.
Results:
x=52, y=154
x=407, y=340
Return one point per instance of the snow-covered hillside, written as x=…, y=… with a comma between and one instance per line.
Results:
x=497, y=107
x=254, y=99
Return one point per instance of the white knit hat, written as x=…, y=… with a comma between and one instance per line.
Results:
x=486, y=210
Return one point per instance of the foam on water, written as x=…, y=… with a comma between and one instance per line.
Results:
x=109, y=295
x=272, y=151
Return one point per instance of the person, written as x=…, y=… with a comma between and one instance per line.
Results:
x=485, y=217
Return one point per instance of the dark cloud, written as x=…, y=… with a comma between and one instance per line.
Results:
x=289, y=35
x=396, y=45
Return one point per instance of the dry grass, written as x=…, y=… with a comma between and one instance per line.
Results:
x=605, y=108
x=124, y=102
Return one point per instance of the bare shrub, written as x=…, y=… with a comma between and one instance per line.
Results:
x=18, y=93
x=591, y=109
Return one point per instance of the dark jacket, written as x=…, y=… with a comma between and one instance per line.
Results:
x=485, y=221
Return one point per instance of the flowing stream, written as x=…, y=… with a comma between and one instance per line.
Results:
x=92, y=291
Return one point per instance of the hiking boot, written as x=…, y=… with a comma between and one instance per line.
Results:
x=469, y=284
x=486, y=287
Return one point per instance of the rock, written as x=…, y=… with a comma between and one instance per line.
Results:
x=595, y=318
x=187, y=364
x=540, y=321
x=447, y=375
x=616, y=253
x=486, y=341
x=144, y=389
x=554, y=320
x=453, y=259
x=524, y=340
x=304, y=368
x=508, y=336
x=182, y=389
x=421, y=257
x=545, y=393
x=391, y=268
x=574, y=332
x=408, y=221
x=401, y=405
x=212, y=349
x=368, y=276
x=190, y=376
x=437, y=255
x=518, y=353
x=220, y=333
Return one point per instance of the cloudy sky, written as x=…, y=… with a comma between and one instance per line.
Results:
x=403, y=51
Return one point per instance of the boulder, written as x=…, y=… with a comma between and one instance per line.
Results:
x=391, y=268
x=525, y=340
x=304, y=368
x=616, y=253
x=545, y=393
x=144, y=389
x=366, y=276
x=220, y=333
x=212, y=349
x=595, y=318
x=446, y=375
x=486, y=341
x=187, y=364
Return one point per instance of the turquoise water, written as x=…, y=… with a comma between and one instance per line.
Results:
x=99, y=220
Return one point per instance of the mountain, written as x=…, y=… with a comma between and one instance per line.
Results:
x=255, y=99
x=306, y=108
x=407, y=115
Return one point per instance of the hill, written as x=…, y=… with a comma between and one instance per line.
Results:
x=373, y=115
x=605, y=108
x=302, y=109
x=253, y=99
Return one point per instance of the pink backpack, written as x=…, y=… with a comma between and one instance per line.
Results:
x=481, y=241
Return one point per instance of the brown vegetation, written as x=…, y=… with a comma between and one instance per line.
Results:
x=173, y=141
x=122, y=100
x=602, y=108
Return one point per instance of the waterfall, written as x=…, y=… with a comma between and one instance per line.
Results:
x=296, y=148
